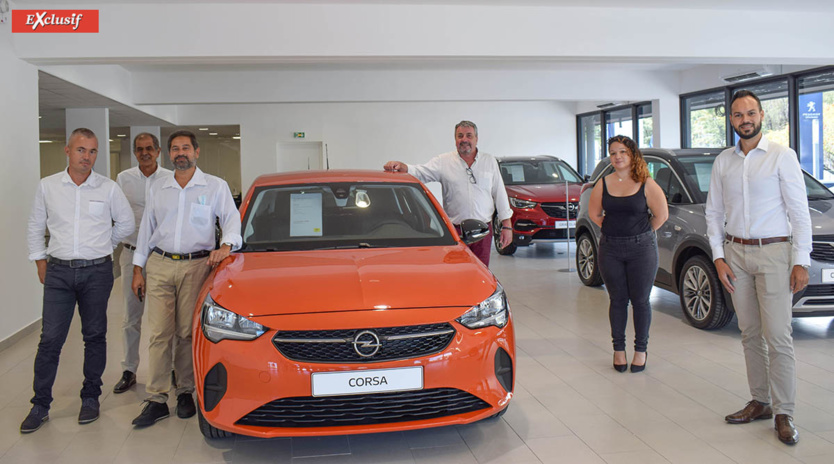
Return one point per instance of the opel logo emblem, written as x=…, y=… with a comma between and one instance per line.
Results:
x=366, y=343
x=571, y=206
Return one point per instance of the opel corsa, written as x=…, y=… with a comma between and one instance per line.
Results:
x=353, y=307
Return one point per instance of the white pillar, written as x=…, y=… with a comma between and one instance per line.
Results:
x=666, y=126
x=98, y=121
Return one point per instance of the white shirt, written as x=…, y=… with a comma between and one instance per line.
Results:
x=760, y=195
x=461, y=198
x=181, y=220
x=135, y=186
x=85, y=221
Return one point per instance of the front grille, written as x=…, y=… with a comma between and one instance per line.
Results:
x=376, y=408
x=819, y=290
x=557, y=210
x=823, y=250
x=338, y=345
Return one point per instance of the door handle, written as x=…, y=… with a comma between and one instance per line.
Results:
x=666, y=234
x=677, y=228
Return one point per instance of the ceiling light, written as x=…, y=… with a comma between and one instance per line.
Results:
x=121, y=135
x=44, y=141
x=236, y=137
x=40, y=117
x=212, y=133
x=203, y=128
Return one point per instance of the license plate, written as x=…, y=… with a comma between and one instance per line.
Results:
x=369, y=381
x=827, y=276
x=564, y=224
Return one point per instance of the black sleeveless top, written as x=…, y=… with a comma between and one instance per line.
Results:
x=625, y=216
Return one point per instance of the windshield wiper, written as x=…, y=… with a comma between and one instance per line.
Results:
x=348, y=247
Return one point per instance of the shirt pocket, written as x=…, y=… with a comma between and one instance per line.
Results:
x=485, y=181
x=96, y=208
x=200, y=215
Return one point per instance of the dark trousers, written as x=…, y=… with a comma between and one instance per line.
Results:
x=89, y=287
x=482, y=247
x=628, y=266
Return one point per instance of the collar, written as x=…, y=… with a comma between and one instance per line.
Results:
x=762, y=145
x=199, y=178
x=153, y=175
x=93, y=180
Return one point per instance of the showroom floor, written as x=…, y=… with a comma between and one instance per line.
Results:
x=570, y=405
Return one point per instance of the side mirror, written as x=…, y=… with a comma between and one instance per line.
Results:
x=587, y=178
x=473, y=230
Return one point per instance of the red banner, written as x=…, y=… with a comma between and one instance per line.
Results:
x=54, y=21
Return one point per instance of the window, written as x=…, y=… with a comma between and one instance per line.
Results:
x=816, y=125
x=590, y=142
x=668, y=181
x=619, y=122
x=705, y=123
x=644, y=126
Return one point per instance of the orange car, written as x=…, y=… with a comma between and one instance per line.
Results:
x=352, y=307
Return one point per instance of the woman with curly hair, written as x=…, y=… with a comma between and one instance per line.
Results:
x=629, y=206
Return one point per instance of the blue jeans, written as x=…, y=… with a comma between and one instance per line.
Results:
x=628, y=266
x=63, y=288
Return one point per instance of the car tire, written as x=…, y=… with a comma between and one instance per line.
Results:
x=587, y=261
x=210, y=431
x=496, y=238
x=702, y=295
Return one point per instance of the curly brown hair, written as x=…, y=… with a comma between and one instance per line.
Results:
x=639, y=169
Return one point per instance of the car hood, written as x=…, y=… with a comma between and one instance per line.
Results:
x=822, y=216
x=320, y=281
x=544, y=192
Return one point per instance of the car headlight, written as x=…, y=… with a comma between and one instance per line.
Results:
x=219, y=324
x=492, y=311
x=524, y=204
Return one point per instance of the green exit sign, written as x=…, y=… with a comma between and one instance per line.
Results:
x=298, y=135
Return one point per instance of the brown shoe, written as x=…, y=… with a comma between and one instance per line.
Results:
x=785, y=430
x=753, y=411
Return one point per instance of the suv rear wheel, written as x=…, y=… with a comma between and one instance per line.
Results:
x=702, y=296
x=586, y=261
x=496, y=237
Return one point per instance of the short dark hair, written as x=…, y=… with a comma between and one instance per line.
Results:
x=742, y=94
x=467, y=124
x=183, y=133
x=84, y=132
x=154, y=139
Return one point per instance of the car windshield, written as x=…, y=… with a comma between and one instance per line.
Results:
x=524, y=172
x=698, y=169
x=342, y=215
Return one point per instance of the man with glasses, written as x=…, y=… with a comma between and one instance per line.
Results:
x=472, y=186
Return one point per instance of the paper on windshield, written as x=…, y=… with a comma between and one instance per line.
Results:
x=305, y=215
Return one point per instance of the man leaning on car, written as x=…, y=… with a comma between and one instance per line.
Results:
x=759, y=229
x=175, y=246
x=472, y=186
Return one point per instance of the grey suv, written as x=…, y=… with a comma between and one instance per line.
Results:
x=685, y=256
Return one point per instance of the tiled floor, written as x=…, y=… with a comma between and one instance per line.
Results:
x=570, y=405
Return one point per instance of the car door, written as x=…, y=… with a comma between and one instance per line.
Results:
x=672, y=231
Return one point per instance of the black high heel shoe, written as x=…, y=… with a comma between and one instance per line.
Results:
x=640, y=367
x=620, y=367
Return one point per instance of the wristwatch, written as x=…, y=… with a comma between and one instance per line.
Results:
x=806, y=266
x=506, y=228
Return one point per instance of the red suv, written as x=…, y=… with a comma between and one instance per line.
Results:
x=536, y=186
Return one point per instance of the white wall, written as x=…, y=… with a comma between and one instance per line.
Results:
x=22, y=293
x=366, y=135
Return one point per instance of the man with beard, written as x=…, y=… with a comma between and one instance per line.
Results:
x=174, y=243
x=472, y=186
x=87, y=216
x=135, y=183
x=759, y=229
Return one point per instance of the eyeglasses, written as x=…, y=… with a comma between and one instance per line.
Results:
x=471, y=176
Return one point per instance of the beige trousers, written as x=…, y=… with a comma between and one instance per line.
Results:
x=763, y=304
x=171, y=295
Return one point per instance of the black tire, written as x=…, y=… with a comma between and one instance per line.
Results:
x=209, y=431
x=587, y=261
x=702, y=295
x=496, y=238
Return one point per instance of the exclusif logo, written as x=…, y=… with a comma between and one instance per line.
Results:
x=52, y=21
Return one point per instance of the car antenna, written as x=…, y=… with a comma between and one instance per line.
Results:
x=326, y=157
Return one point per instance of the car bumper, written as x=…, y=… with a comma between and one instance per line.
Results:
x=533, y=225
x=257, y=378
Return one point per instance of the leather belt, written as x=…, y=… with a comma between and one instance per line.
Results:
x=756, y=241
x=182, y=256
x=79, y=263
x=129, y=246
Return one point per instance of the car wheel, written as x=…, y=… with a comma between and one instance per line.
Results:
x=208, y=430
x=586, y=261
x=496, y=237
x=702, y=296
